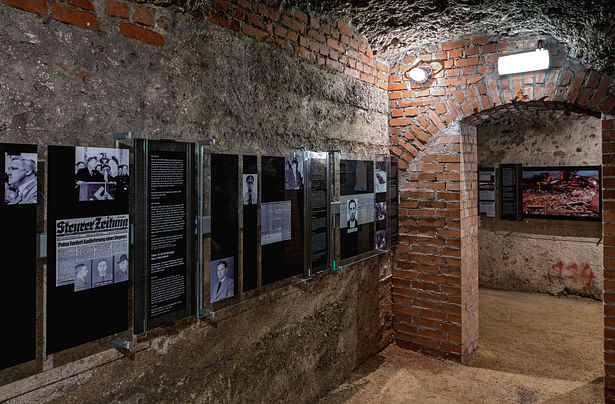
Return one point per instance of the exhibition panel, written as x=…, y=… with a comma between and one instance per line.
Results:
x=282, y=217
x=224, y=263
x=18, y=203
x=164, y=242
x=88, y=245
x=249, y=197
x=357, y=207
x=317, y=187
x=381, y=202
x=393, y=196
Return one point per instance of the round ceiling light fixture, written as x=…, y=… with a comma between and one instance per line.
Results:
x=419, y=74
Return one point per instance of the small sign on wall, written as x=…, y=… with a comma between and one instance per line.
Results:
x=510, y=191
x=486, y=191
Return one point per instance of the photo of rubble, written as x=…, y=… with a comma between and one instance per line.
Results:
x=562, y=192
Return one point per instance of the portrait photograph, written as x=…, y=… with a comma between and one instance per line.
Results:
x=121, y=271
x=222, y=279
x=20, y=179
x=83, y=275
x=101, y=173
x=102, y=271
x=250, y=189
x=381, y=239
x=352, y=221
x=293, y=168
x=381, y=211
x=381, y=176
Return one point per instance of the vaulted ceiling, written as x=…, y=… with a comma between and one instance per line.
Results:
x=395, y=28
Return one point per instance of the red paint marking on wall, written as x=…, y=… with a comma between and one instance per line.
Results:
x=558, y=266
x=573, y=271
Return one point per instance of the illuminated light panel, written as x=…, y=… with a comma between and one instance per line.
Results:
x=524, y=62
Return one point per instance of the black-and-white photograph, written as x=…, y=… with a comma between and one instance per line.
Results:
x=102, y=271
x=293, y=167
x=101, y=173
x=120, y=268
x=352, y=223
x=381, y=210
x=222, y=279
x=83, y=275
x=250, y=189
x=381, y=176
x=381, y=239
x=20, y=183
x=356, y=210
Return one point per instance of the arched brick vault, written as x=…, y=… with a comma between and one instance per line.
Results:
x=433, y=132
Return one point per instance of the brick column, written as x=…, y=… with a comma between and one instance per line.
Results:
x=469, y=241
x=435, y=280
x=608, y=237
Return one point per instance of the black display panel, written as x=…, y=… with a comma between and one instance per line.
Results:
x=393, y=203
x=250, y=222
x=381, y=202
x=282, y=218
x=357, y=207
x=224, y=224
x=88, y=245
x=18, y=199
x=164, y=242
x=510, y=191
x=486, y=191
x=319, y=212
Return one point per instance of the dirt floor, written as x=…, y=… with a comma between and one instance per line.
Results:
x=533, y=349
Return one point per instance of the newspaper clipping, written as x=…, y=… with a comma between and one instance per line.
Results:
x=275, y=222
x=92, y=251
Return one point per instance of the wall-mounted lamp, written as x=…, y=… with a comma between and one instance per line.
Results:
x=524, y=62
x=420, y=72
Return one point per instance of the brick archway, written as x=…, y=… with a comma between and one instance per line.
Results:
x=435, y=281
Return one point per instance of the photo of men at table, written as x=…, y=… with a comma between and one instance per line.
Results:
x=101, y=173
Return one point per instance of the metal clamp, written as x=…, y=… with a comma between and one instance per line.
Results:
x=121, y=136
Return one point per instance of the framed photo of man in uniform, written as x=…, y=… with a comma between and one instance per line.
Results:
x=250, y=189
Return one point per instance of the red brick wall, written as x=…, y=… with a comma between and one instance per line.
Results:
x=335, y=45
x=608, y=234
x=435, y=280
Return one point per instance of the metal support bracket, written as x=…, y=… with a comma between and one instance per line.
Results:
x=205, y=224
x=121, y=136
x=335, y=208
x=41, y=247
x=123, y=346
x=207, y=142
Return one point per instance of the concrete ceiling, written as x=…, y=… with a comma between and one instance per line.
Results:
x=396, y=28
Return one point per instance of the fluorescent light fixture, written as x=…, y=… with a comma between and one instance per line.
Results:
x=524, y=62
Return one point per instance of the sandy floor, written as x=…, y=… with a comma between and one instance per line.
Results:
x=533, y=349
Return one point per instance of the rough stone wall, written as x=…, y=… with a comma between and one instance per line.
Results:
x=69, y=85
x=290, y=349
x=541, y=255
x=608, y=234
